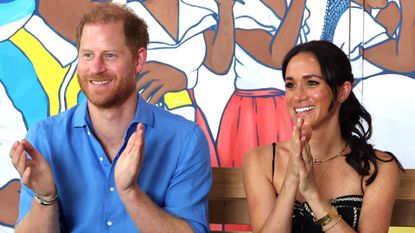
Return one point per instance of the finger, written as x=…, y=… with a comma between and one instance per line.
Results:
x=26, y=175
x=140, y=137
x=149, y=91
x=13, y=149
x=15, y=153
x=306, y=131
x=308, y=159
x=34, y=154
x=144, y=80
x=21, y=166
x=130, y=143
x=157, y=95
x=296, y=138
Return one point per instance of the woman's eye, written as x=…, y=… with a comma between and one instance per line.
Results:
x=312, y=83
x=289, y=85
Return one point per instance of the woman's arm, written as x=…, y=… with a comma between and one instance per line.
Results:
x=377, y=203
x=267, y=213
x=379, y=197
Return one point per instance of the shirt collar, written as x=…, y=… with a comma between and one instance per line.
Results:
x=143, y=114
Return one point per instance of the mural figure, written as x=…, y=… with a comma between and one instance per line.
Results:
x=38, y=59
x=11, y=128
x=37, y=80
x=382, y=53
x=256, y=113
x=184, y=35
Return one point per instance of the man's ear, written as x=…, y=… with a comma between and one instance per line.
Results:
x=140, y=60
x=344, y=91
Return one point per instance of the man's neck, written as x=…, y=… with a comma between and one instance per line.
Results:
x=110, y=124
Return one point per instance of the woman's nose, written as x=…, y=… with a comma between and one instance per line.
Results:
x=299, y=93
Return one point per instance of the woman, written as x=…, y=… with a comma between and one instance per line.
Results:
x=327, y=177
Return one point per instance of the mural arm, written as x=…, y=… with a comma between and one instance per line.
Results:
x=64, y=16
x=389, y=17
x=269, y=49
x=287, y=34
x=221, y=44
x=397, y=54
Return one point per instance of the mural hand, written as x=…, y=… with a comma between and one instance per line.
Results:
x=129, y=163
x=157, y=79
x=34, y=171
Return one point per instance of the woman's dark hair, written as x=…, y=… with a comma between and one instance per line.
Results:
x=355, y=121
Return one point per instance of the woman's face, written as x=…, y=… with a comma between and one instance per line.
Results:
x=307, y=96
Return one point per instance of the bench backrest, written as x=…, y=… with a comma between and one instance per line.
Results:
x=227, y=199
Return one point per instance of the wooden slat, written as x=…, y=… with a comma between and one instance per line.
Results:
x=407, y=186
x=227, y=184
x=228, y=211
x=227, y=199
x=403, y=213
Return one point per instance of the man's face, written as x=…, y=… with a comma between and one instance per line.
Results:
x=106, y=68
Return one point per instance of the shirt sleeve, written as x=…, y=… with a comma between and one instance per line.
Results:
x=187, y=193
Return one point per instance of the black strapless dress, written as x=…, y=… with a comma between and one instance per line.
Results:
x=347, y=206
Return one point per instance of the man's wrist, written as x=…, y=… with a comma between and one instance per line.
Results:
x=130, y=194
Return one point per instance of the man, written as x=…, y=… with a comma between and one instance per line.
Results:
x=88, y=169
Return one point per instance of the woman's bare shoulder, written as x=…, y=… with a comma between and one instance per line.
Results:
x=387, y=162
x=259, y=154
x=262, y=156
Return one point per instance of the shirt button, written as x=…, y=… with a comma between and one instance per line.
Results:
x=112, y=189
x=109, y=223
x=89, y=133
x=101, y=159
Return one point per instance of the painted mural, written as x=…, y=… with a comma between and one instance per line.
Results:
x=215, y=62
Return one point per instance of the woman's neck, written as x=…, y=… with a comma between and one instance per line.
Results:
x=326, y=143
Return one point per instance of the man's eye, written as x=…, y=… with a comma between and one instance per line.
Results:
x=87, y=55
x=110, y=55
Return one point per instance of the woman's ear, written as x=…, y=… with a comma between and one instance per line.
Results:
x=344, y=91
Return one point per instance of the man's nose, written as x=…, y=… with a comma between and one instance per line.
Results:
x=98, y=65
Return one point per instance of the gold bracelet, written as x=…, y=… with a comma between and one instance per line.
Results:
x=331, y=215
x=45, y=200
x=325, y=229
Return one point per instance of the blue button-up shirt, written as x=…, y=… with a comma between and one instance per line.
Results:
x=175, y=173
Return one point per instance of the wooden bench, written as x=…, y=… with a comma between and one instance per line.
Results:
x=227, y=199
